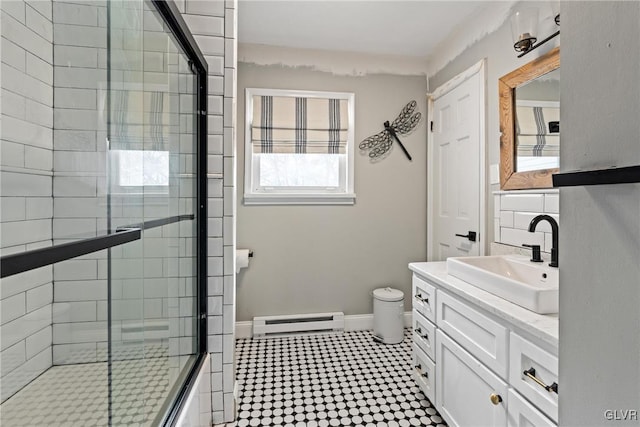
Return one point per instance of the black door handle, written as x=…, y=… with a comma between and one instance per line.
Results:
x=471, y=236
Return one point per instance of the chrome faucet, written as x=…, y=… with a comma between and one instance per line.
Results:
x=554, y=235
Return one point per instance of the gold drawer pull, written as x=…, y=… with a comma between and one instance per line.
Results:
x=531, y=373
x=495, y=398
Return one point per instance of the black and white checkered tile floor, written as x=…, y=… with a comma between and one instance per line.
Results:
x=329, y=380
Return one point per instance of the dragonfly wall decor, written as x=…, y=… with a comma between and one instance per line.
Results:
x=381, y=142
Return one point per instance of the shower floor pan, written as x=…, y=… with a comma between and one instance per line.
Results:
x=77, y=395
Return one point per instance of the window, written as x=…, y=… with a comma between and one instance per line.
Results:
x=137, y=168
x=537, y=134
x=140, y=172
x=299, y=147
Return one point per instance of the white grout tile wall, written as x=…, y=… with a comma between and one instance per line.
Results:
x=79, y=182
x=514, y=210
x=76, y=151
x=152, y=280
x=198, y=411
x=155, y=277
x=229, y=225
x=214, y=26
x=26, y=205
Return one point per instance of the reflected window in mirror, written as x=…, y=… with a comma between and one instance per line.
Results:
x=538, y=123
x=530, y=123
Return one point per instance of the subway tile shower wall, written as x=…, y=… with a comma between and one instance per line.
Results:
x=80, y=181
x=213, y=24
x=514, y=210
x=26, y=205
x=79, y=314
x=63, y=44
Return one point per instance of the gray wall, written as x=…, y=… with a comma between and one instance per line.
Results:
x=501, y=59
x=26, y=205
x=600, y=245
x=541, y=90
x=329, y=258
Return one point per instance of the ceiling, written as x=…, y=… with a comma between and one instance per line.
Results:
x=409, y=28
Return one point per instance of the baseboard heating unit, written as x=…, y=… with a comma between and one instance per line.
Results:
x=274, y=326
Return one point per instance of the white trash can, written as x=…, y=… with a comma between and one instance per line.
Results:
x=388, y=315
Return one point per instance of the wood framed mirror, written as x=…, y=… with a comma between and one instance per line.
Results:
x=529, y=123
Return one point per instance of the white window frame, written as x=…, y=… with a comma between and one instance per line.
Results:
x=254, y=194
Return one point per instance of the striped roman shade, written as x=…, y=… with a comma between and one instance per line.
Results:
x=283, y=124
x=537, y=131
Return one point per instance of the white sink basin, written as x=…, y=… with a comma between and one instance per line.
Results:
x=513, y=277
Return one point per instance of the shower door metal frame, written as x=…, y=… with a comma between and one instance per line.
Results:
x=25, y=261
x=174, y=21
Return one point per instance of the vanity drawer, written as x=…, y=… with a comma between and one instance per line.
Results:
x=424, y=372
x=523, y=414
x=424, y=298
x=525, y=356
x=424, y=334
x=477, y=333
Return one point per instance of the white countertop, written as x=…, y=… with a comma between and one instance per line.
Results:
x=541, y=326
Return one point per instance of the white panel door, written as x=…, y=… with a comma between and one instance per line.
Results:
x=457, y=135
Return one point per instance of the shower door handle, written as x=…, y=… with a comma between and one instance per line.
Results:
x=41, y=257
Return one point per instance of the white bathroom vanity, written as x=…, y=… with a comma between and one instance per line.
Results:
x=482, y=360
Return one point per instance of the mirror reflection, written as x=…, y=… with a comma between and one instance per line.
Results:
x=537, y=123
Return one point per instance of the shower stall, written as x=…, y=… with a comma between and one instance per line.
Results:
x=103, y=212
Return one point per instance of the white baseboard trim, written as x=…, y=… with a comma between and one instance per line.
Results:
x=364, y=322
x=355, y=322
x=244, y=329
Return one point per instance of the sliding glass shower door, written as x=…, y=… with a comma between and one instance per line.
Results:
x=152, y=155
x=102, y=214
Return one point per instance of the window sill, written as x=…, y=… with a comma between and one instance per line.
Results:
x=299, y=199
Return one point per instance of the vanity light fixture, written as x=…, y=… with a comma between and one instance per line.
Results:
x=524, y=26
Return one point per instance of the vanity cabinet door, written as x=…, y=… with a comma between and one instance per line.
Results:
x=467, y=393
x=524, y=414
